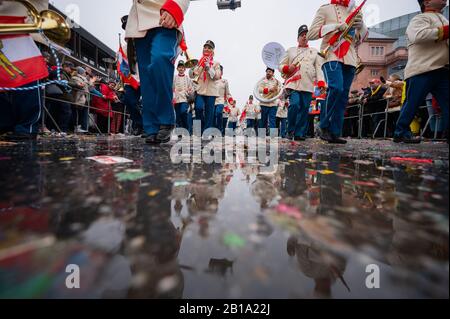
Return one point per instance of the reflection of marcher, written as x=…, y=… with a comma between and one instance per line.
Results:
x=295, y=182
x=317, y=263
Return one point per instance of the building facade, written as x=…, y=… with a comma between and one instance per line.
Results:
x=386, y=50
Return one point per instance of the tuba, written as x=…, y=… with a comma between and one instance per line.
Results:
x=272, y=54
x=51, y=23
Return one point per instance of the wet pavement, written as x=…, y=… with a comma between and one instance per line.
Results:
x=153, y=229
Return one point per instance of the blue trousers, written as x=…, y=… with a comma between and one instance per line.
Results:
x=181, y=111
x=156, y=54
x=131, y=100
x=417, y=88
x=204, y=110
x=224, y=124
x=251, y=123
x=232, y=125
x=298, y=113
x=268, y=117
x=20, y=111
x=339, y=78
x=283, y=127
x=218, y=117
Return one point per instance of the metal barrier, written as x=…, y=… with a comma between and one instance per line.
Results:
x=88, y=106
x=386, y=112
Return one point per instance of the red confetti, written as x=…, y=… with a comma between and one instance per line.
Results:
x=412, y=160
x=410, y=151
x=289, y=211
x=369, y=184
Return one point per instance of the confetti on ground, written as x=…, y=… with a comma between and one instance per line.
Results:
x=326, y=172
x=412, y=160
x=233, y=240
x=290, y=211
x=131, y=175
x=180, y=183
x=410, y=151
x=4, y=158
x=44, y=154
x=66, y=159
x=368, y=184
x=153, y=193
x=110, y=160
x=361, y=162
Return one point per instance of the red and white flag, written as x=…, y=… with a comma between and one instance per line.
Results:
x=21, y=62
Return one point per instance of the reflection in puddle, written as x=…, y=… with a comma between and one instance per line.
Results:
x=307, y=230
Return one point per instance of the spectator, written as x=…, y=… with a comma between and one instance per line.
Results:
x=374, y=103
x=394, y=93
x=61, y=110
x=80, y=97
x=102, y=105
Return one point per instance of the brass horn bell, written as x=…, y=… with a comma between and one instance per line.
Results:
x=50, y=22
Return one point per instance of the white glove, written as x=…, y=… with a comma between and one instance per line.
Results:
x=342, y=27
x=359, y=23
x=212, y=73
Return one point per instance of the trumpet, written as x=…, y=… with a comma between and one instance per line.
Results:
x=51, y=23
x=200, y=70
x=190, y=63
x=345, y=34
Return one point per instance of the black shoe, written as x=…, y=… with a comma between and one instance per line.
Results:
x=289, y=136
x=337, y=140
x=152, y=140
x=299, y=139
x=165, y=132
x=407, y=140
x=325, y=135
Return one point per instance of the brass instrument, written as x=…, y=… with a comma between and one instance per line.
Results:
x=51, y=23
x=200, y=70
x=190, y=63
x=346, y=33
x=359, y=67
x=270, y=97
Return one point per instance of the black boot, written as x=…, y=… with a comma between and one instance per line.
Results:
x=325, y=135
x=165, y=132
x=407, y=140
x=152, y=140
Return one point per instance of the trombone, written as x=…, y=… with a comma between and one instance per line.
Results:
x=51, y=23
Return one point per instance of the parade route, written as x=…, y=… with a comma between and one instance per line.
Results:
x=142, y=227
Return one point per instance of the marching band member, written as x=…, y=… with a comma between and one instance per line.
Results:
x=269, y=85
x=251, y=111
x=225, y=114
x=340, y=65
x=208, y=73
x=302, y=67
x=21, y=65
x=224, y=94
x=132, y=89
x=182, y=87
x=282, y=115
x=233, y=113
x=156, y=27
x=427, y=68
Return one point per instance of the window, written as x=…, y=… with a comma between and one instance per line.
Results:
x=374, y=72
x=377, y=51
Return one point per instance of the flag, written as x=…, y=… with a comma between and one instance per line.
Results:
x=123, y=68
x=21, y=62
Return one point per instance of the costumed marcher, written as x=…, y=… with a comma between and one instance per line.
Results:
x=21, y=65
x=233, y=116
x=224, y=95
x=182, y=87
x=268, y=86
x=427, y=67
x=282, y=115
x=341, y=59
x=301, y=67
x=132, y=86
x=251, y=110
x=206, y=74
x=156, y=29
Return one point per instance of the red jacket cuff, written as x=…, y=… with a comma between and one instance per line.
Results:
x=286, y=69
x=175, y=11
x=445, y=32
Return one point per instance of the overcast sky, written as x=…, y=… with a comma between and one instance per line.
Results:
x=239, y=35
